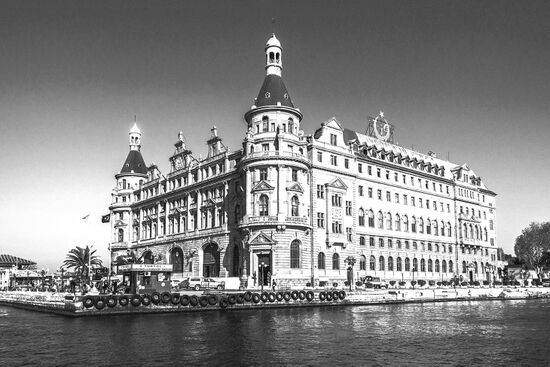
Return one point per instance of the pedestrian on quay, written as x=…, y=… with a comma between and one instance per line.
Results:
x=274, y=284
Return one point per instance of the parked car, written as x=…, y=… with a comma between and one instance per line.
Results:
x=199, y=283
x=546, y=282
x=374, y=282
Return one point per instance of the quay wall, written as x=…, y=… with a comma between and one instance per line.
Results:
x=64, y=303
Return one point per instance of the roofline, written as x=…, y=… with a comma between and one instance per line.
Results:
x=126, y=174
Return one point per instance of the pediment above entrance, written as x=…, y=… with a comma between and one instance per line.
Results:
x=262, y=186
x=261, y=239
x=338, y=184
x=295, y=187
x=120, y=223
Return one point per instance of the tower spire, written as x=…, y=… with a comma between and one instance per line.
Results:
x=273, y=56
x=135, y=137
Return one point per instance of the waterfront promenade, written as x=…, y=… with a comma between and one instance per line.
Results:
x=192, y=301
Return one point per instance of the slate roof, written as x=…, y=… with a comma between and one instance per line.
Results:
x=9, y=260
x=134, y=163
x=273, y=90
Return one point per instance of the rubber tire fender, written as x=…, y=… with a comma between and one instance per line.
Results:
x=146, y=300
x=194, y=301
x=294, y=295
x=175, y=298
x=203, y=301
x=279, y=296
x=240, y=298
x=99, y=303
x=232, y=299
x=335, y=295
x=287, y=297
x=184, y=300
x=302, y=295
x=342, y=295
x=223, y=303
x=329, y=296
x=111, y=301
x=255, y=298
x=310, y=296
x=123, y=300
x=322, y=296
x=271, y=297
x=155, y=298
x=264, y=297
x=248, y=296
x=212, y=299
x=88, y=301
x=165, y=297
x=135, y=300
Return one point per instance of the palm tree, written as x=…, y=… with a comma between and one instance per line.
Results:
x=81, y=259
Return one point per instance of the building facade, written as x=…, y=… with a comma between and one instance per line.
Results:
x=299, y=207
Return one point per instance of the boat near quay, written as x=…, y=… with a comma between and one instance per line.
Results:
x=200, y=301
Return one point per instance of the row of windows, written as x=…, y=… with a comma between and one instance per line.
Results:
x=266, y=125
x=401, y=223
x=405, y=244
x=397, y=198
x=384, y=264
x=264, y=206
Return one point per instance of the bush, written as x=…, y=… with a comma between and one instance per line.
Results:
x=439, y=284
x=516, y=283
x=421, y=282
x=476, y=283
x=431, y=283
x=402, y=283
x=464, y=284
x=485, y=282
x=392, y=282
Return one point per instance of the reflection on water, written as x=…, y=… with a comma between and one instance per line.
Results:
x=453, y=333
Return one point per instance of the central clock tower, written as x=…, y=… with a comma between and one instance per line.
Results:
x=181, y=159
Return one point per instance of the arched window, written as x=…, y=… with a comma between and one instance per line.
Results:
x=437, y=266
x=265, y=124
x=485, y=234
x=465, y=231
x=371, y=219
x=423, y=265
x=120, y=235
x=336, y=261
x=381, y=264
x=236, y=260
x=291, y=125
x=407, y=264
x=361, y=217
x=211, y=261
x=442, y=228
x=477, y=233
x=471, y=232
x=295, y=203
x=361, y=240
x=475, y=267
x=415, y=264
x=380, y=220
x=449, y=229
x=388, y=221
x=390, y=263
x=295, y=254
x=464, y=267
x=405, y=223
x=413, y=224
x=443, y=266
x=451, y=269
x=264, y=205
x=176, y=259
x=398, y=264
x=148, y=258
x=237, y=213
x=430, y=266
x=372, y=262
x=420, y=225
x=321, y=261
x=362, y=263
x=428, y=226
x=271, y=57
x=397, y=222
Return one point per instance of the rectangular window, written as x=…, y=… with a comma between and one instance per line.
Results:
x=396, y=177
x=421, y=203
x=348, y=233
x=348, y=207
x=360, y=190
x=320, y=191
x=404, y=179
x=434, y=205
x=295, y=175
x=412, y=201
x=387, y=175
x=319, y=157
x=370, y=192
x=263, y=174
x=333, y=139
x=360, y=168
x=320, y=220
x=388, y=196
x=336, y=200
x=379, y=193
x=448, y=208
x=369, y=169
x=336, y=227
x=405, y=200
x=390, y=243
x=381, y=242
x=333, y=160
x=491, y=224
x=371, y=241
x=378, y=172
x=346, y=163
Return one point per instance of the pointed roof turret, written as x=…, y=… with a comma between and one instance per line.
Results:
x=134, y=161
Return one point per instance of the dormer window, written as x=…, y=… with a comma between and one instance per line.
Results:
x=333, y=139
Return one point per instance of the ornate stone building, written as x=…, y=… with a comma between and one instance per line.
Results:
x=296, y=207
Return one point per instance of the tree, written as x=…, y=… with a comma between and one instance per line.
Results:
x=533, y=246
x=81, y=259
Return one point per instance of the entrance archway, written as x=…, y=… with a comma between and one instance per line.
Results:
x=264, y=269
x=211, y=261
x=176, y=259
x=148, y=258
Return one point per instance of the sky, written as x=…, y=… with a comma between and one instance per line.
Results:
x=466, y=79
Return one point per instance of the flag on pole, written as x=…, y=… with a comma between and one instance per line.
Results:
x=106, y=218
x=85, y=217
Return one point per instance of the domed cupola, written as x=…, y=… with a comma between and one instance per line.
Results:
x=273, y=93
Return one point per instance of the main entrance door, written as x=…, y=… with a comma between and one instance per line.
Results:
x=211, y=261
x=264, y=269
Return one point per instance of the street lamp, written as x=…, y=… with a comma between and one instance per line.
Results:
x=261, y=277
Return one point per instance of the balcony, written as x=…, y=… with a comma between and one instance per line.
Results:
x=275, y=154
x=119, y=246
x=297, y=220
x=280, y=221
x=469, y=218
